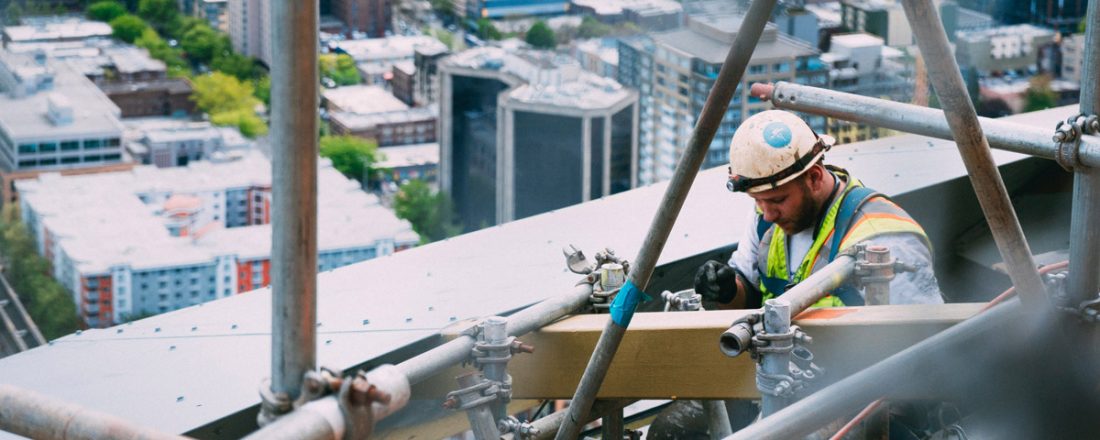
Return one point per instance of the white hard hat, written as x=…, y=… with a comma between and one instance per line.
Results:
x=772, y=148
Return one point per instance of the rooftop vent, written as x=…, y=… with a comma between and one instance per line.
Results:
x=60, y=111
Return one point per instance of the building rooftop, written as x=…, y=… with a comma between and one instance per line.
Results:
x=605, y=48
x=26, y=117
x=55, y=30
x=710, y=37
x=617, y=7
x=171, y=85
x=362, y=99
x=409, y=155
x=1015, y=31
x=167, y=129
x=856, y=39
x=828, y=13
x=544, y=77
x=360, y=121
x=387, y=49
x=873, y=5
x=405, y=66
x=99, y=220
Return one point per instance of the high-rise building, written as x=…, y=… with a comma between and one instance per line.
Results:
x=250, y=28
x=862, y=64
x=370, y=17
x=1002, y=49
x=674, y=72
x=426, y=70
x=154, y=240
x=1060, y=15
x=524, y=132
x=1073, y=57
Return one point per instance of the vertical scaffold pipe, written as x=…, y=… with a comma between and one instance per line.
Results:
x=1084, y=249
x=974, y=149
x=294, y=193
x=777, y=363
x=686, y=170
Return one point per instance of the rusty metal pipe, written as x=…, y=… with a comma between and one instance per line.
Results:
x=33, y=415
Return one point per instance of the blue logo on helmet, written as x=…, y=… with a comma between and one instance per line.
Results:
x=777, y=134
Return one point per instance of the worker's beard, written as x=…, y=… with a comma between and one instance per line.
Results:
x=808, y=211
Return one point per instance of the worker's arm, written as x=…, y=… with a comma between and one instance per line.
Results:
x=919, y=287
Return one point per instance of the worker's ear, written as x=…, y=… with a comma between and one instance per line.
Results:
x=816, y=175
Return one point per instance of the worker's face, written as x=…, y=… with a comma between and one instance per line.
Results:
x=791, y=206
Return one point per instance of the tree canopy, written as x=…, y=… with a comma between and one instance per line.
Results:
x=228, y=101
x=162, y=14
x=128, y=27
x=352, y=156
x=486, y=30
x=202, y=43
x=105, y=10
x=340, y=68
x=431, y=214
x=1039, y=95
x=541, y=36
x=592, y=28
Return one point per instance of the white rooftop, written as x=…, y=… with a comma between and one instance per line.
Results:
x=616, y=7
x=363, y=99
x=387, y=49
x=608, y=53
x=100, y=222
x=361, y=121
x=409, y=155
x=69, y=29
x=856, y=39
x=1018, y=30
x=551, y=78
x=25, y=117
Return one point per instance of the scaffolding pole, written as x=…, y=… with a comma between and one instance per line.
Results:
x=33, y=415
x=709, y=120
x=1084, y=248
x=974, y=149
x=294, y=194
x=910, y=368
x=909, y=118
x=323, y=418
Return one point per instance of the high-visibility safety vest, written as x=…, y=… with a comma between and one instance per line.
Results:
x=858, y=213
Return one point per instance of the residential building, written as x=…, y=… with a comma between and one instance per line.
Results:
x=171, y=142
x=250, y=28
x=495, y=9
x=403, y=82
x=886, y=18
x=1060, y=15
x=163, y=97
x=674, y=72
x=53, y=117
x=372, y=18
x=598, y=55
x=862, y=64
x=154, y=240
x=650, y=15
x=54, y=30
x=407, y=162
x=375, y=57
x=426, y=65
x=1073, y=57
x=215, y=12
x=523, y=132
x=1002, y=49
x=101, y=60
x=372, y=113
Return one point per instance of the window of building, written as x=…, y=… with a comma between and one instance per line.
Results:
x=47, y=146
x=48, y=161
x=781, y=67
x=91, y=144
x=73, y=159
x=28, y=148
x=93, y=158
x=70, y=145
x=757, y=69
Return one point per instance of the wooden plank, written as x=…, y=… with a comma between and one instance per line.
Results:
x=675, y=355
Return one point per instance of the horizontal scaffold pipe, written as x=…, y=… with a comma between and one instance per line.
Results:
x=323, y=419
x=33, y=415
x=909, y=118
x=909, y=369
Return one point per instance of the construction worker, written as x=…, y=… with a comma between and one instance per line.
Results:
x=806, y=214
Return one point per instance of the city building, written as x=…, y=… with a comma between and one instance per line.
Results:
x=674, y=72
x=426, y=65
x=162, y=97
x=171, y=142
x=154, y=240
x=54, y=30
x=495, y=9
x=373, y=18
x=375, y=57
x=523, y=132
x=407, y=162
x=101, y=60
x=372, y=113
x=862, y=64
x=215, y=12
x=650, y=15
x=1073, y=57
x=886, y=18
x=1012, y=91
x=53, y=117
x=1002, y=49
x=599, y=56
x=250, y=28
x=1060, y=15
x=403, y=82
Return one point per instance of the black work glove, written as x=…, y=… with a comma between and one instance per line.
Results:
x=716, y=281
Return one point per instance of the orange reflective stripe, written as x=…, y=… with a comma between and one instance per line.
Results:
x=887, y=223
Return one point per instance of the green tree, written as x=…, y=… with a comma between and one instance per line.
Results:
x=1039, y=95
x=592, y=28
x=263, y=90
x=105, y=10
x=1081, y=27
x=352, y=156
x=12, y=14
x=159, y=49
x=162, y=14
x=235, y=64
x=48, y=303
x=128, y=27
x=541, y=36
x=217, y=92
x=486, y=30
x=431, y=214
x=245, y=120
x=340, y=68
x=202, y=43
x=446, y=8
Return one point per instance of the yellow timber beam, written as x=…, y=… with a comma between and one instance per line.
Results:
x=675, y=354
